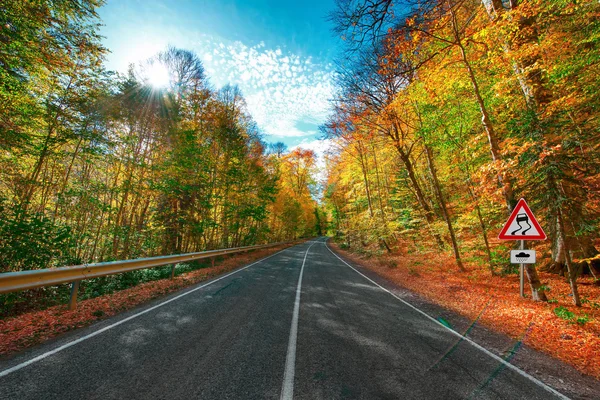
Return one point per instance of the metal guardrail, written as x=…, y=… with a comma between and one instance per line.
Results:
x=24, y=280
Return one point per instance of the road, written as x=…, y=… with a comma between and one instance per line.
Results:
x=299, y=324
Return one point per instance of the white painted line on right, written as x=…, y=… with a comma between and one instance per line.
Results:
x=471, y=342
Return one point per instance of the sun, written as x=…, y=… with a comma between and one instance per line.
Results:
x=157, y=75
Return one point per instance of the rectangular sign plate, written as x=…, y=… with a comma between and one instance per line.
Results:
x=522, y=256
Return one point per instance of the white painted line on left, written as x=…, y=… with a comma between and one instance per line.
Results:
x=287, y=390
x=106, y=328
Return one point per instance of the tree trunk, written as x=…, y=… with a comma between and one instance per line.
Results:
x=32, y=180
x=380, y=196
x=363, y=167
x=528, y=73
x=442, y=201
x=534, y=283
x=504, y=182
x=537, y=95
x=429, y=215
x=571, y=275
x=66, y=177
x=483, y=227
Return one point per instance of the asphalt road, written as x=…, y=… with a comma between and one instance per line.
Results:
x=300, y=324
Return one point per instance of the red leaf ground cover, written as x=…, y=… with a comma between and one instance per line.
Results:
x=28, y=329
x=434, y=276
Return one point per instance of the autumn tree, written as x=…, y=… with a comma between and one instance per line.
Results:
x=452, y=60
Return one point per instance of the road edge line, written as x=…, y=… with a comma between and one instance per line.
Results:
x=471, y=342
x=106, y=328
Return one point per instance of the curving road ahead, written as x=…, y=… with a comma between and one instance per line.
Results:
x=300, y=324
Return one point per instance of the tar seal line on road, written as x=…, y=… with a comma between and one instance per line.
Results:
x=471, y=342
x=99, y=331
x=287, y=390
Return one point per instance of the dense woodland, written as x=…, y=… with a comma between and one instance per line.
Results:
x=449, y=111
x=97, y=165
x=446, y=113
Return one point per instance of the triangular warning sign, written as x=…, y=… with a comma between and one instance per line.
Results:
x=522, y=225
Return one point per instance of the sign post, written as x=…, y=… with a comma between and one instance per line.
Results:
x=522, y=273
x=522, y=225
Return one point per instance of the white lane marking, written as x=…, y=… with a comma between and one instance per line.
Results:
x=106, y=328
x=477, y=346
x=287, y=390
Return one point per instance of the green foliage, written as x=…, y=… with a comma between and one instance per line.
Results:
x=543, y=288
x=582, y=320
x=32, y=240
x=592, y=304
x=563, y=313
x=466, y=121
x=98, y=166
x=40, y=40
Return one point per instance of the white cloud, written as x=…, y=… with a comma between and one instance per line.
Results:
x=282, y=89
x=246, y=76
x=319, y=146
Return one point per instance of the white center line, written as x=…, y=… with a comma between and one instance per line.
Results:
x=106, y=328
x=287, y=390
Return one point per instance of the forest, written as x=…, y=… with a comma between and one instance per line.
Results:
x=100, y=166
x=447, y=112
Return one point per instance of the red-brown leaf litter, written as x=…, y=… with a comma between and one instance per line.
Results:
x=435, y=277
x=29, y=329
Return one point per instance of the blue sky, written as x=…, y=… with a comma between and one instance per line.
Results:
x=279, y=53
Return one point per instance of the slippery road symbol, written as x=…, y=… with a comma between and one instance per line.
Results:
x=522, y=218
x=522, y=225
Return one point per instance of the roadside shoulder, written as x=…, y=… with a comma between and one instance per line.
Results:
x=556, y=373
x=55, y=326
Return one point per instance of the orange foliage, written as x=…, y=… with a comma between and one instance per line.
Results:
x=467, y=294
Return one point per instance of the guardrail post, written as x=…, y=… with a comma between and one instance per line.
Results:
x=74, y=291
x=173, y=271
x=212, y=262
